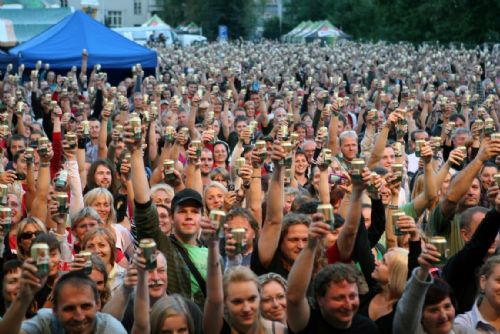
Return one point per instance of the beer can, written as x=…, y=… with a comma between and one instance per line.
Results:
x=4, y=191
x=436, y=144
x=324, y=132
x=261, y=147
x=53, y=105
x=5, y=221
x=169, y=134
x=418, y=147
x=71, y=140
x=29, y=155
x=135, y=124
x=373, y=178
x=284, y=132
x=119, y=129
x=398, y=149
x=294, y=137
x=218, y=218
x=441, y=245
x=20, y=108
x=495, y=135
x=86, y=128
x=497, y=179
x=463, y=149
x=40, y=254
x=397, y=170
x=197, y=146
x=154, y=113
x=210, y=117
x=395, y=217
x=453, y=128
x=62, y=203
x=87, y=256
x=327, y=211
x=148, y=248
x=168, y=169
x=288, y=175
x=287, y=147
x=289, y=117
x=146, y=117
x=43, y=147
x=357, y=166
x=327, y=156
x=185, y=131
x=229, y=94
x=489, y=126
x=238, y=164
x=212, y=133
x=239, y=236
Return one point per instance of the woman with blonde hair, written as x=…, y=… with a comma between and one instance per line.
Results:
x=386, y=280
x=28, y=229
x=273, y=297
x=102, y=243
x=101, y=200
x=233, y=302
x=170, y=314
x=214, y=196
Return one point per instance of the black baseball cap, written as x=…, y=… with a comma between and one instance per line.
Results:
x=187, y=195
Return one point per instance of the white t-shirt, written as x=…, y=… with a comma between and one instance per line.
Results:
x=45, y=322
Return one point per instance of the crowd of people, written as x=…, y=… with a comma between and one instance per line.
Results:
x=254, y=188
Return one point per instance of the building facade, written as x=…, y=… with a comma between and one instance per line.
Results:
x=120, y=13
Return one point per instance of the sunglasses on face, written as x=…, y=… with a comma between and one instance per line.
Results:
x=30, y=235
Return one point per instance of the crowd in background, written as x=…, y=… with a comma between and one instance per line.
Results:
x=254, y=188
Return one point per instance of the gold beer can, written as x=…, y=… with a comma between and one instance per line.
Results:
x=5, y=221
x=71, y=140
x=40, y=254
x=357, y=166
x=62, y=203
x=418, y=147
x=239, y=236
x=148, y=248
x=395, y=217
x=240, y=162
x=441, y=245
x=218, y=219
x=327, y=211
x=87, y=256
x=86, y=128
x=397, y=169
x=4, y=190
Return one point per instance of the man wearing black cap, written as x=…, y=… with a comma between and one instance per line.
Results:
x=187, y=260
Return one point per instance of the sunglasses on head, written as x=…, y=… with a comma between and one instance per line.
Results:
x=29, y=235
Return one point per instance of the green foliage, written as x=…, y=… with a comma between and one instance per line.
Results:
x=470, y=21
x=272, y=28
x=240, y=16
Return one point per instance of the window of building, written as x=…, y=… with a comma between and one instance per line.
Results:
x=64, y=3
x=114, y=19
x=137, y=7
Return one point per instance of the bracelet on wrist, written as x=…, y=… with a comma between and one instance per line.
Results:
x=393, y=207
x=44, y=164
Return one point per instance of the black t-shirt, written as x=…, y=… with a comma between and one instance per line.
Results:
x=318, y=325
x=276, y=265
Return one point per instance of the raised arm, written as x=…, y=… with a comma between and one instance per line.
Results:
x=347, y=235
x=461, y=183
x=423, y=200
x=193, y=173
x=269, y=239
x=39, y=205
x=102, y=146
x=254, y=193
x=214, y=304
x=141, y=301
x=30, y=285
x=298, y=310
x=381, y=140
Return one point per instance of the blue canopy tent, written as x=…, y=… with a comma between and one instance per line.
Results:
x=6, y=59
x=61, y=46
